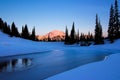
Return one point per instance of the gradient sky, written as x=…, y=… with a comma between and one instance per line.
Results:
x=48, y=15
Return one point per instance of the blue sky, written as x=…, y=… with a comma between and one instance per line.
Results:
x=48, y=15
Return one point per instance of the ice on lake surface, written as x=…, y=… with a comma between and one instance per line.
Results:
x=39, y=66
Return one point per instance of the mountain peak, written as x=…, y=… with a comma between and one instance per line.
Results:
x=55, y=35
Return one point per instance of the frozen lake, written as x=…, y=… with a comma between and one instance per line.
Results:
x=39, y=66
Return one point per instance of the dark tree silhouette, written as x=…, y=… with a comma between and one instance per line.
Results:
x=49, y=39
x=116, y=18
x=22, y=33
x=6, y=28
x=25, y=33
x=98, y=32
x=33, y=36
x=77, y=37
x=66, y=36
x=114, y=23
x=72, y=35
x=88, y=36
x=91, y=37
x=82, y=39
x=111, y=33
x=1, y=24
x=14, y=30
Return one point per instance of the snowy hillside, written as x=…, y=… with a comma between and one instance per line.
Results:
x=104, y=70
x=13, y=45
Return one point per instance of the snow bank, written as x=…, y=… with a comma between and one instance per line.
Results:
x=108, y=69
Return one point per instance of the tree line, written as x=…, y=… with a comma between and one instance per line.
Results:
x=12, y=31
x=86, y=40
x=77, y=38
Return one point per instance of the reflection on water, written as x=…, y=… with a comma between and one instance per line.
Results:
x=15, y=64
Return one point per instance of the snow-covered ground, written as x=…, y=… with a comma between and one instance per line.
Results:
x=14, y=46
x=104, y=70
x=108, y=69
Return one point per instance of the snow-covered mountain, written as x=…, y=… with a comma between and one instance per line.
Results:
x=54, y=35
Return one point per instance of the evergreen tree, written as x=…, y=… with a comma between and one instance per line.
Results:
x=1, y=24
x=22, y=33
x=116, y=18
x=114, y=23
x=25, y=32
x=111, y=30
x=33, y=36
x=119, y=22
x=82, y=39
x=88, y=36
x=49, y=39
x=14, y=30
x=8, y=30
x=101, y=33
x=72, y=35
x=5, y=27
x=98, y=32
x=91, y=37
x=77, y=37
x=66, y=36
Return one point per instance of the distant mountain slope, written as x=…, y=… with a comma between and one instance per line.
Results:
x=54, y=35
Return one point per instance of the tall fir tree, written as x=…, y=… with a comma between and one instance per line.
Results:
x=91, y=37
x=101, y=33
x=116, y=23
x=82, y=39
x=77, y=37
x=1, y=24
x=8, y=30
x=66, y=36
x=81, y=35
x=88, y=36
x=33, y=36
x=25, y=33
x=5, y=27
x=111, y=33
x=14, y=30
x=22, y=33
x=98, y=32
x=72, y=35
